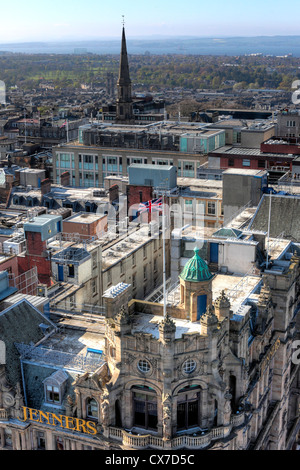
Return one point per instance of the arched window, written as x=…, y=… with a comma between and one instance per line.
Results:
x=188, y=407
x=144, y=407
x=118, y=417
x=92, y=408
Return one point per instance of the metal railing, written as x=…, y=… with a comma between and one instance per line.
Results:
x=59, y=359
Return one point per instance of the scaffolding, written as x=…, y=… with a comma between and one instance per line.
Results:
x=26, y=283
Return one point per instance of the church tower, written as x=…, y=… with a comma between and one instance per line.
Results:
x=124, y=108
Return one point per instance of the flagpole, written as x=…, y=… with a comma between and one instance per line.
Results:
x=269, y=223
x=164, y=255
x=25, y=125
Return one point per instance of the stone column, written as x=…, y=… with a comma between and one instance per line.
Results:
x=167, y=331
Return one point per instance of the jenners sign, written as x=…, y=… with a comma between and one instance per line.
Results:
x=65, y=422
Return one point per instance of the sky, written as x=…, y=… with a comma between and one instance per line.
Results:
x=57, y=20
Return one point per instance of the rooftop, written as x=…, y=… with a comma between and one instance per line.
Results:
x=124, y=247
x=284, y=220
x=229, y=150
x=84, y=218
x=70, y=347
x=236, y=288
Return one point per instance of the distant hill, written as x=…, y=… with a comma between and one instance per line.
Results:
x=267, y=45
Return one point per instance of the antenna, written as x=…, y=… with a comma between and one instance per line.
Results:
x=123, y=21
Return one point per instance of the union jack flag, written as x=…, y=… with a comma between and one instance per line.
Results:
x=149, y=206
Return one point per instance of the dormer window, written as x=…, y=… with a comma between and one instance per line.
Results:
x=92, y=408
x=55, y=387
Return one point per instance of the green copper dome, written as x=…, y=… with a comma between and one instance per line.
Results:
x=196, y=269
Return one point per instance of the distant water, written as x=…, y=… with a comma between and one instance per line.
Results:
x=269, y=45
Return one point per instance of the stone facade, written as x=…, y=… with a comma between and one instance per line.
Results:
x=226, y=381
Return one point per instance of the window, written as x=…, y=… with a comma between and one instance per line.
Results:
x=59, y=443
x=145, y=273
x=133, y=281
x=261, y=164
x=144, y=251
x=41, y=441
x=186, y=168
x=189, y=366
x=188, y=407
x=121, y=268
x=144, y=366
x=230, y=162
x=211, y=208
x=188, y=205
x=145, y=407
x=71, y=272
x=65, y=159
x=52, y=395
x=92, y=408
x=94, y=286
x=8, y=437
x=54, y=387
x=108, y=277
x=246, y=162
x=133, y=259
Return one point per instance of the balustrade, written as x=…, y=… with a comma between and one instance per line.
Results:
x=3, y=414
x=189, y=441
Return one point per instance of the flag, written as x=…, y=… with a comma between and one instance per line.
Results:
x=149, y=206
x=63, y=125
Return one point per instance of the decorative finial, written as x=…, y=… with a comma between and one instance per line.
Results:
x=123, y=21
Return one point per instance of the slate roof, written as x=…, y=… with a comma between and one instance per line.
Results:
x=285, y=216
x=20, y=323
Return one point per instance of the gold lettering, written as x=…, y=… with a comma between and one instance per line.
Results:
x=92, y=426
x=57, y=418
x=80, y=424
x=32, y=414
x=24, y=414
x=44, y=415
x=68, y=421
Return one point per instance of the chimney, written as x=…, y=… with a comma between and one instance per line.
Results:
x=45, y=186
x=113, y=193
x=115, y=298
x=65, y=179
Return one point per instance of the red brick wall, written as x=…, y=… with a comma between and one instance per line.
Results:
x=34, y=257
x=85, y=230
x=238, y=163
x=137, y=194
x=283, y=148
x=43, y=267
x=34, y=243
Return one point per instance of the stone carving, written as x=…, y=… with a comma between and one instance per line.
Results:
x=167, y=417
x=70, y=406
x=105, y=408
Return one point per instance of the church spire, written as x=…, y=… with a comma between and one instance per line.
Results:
x=124, y=109
x=124, y=78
